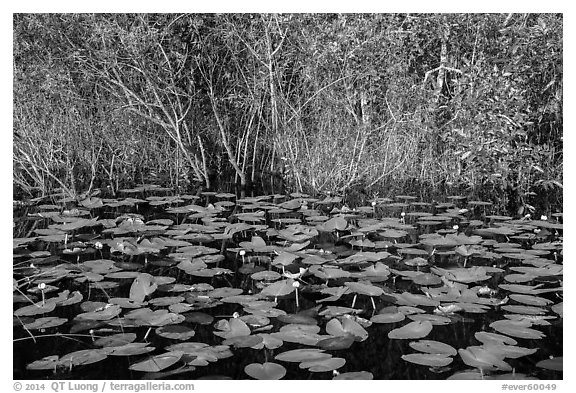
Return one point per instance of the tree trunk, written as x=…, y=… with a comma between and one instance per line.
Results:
x=441, y=79
x=226, y=142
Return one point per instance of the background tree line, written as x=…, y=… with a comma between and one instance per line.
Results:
x=372, y=104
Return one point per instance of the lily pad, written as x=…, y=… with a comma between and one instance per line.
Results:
x=232, y=328
x=175, y=332
x=115, y=340
x=243, y=341
x=46, y=363
x=499, y=339
x=158, y=362
x=347, y=327
x=104, y=313
x=130, y=349
x=483, y=359
x=279, y=288
x=355, y=375
x=82, y=357
x=519, y=329
x=302, y=355
x=143, y=285
x=388, y=318
x=35, y=309
x=318, y=366
x=428, y=359
x=268, y=341
x=416, y=329
x=555, y=364
x=336, y=343
x=431, y=346
x=45, y=323
x=268, y=371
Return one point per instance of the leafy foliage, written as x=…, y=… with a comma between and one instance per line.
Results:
x=360, y=104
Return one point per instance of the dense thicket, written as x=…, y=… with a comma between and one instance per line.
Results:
x=369, y=103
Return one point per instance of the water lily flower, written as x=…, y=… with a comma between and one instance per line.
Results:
x=242, y=253
x=485, y=290
x=41, y=287
x=296, y=285
x=449, y=309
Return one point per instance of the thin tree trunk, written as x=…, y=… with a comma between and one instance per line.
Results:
x=441, y=79
x=225, y=141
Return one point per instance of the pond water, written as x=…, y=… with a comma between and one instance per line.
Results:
x=284, y=287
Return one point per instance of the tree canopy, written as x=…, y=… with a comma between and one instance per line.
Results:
x=324, y=102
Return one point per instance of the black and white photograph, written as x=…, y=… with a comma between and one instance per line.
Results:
x=326, y=195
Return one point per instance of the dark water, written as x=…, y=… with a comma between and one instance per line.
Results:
x=378, y=354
